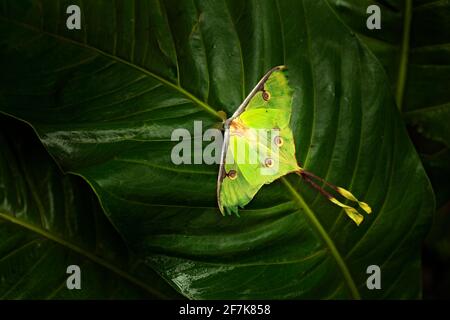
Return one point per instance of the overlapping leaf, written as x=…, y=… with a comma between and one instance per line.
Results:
x=49, y=222
x=413, y=45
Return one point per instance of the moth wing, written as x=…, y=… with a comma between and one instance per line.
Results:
x=267, y=108
x=239, y=190
x=273, y=93
x=248, y=159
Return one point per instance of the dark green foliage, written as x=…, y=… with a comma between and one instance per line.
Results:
x=104, y=101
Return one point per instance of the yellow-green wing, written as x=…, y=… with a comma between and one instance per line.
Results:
x=271, y=105
x=239, y=189
x=262, y=128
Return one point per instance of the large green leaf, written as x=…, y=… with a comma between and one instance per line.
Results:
x=413, y=45
x=48, y=222
x=105, y=99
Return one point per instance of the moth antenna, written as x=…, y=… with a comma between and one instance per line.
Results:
x=351, y=212
x=222, y=114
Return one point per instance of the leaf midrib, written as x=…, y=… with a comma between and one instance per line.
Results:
x=404, y=55
x=83, y=252
x=404, y=49
x=169, y=84
x=326, y=239
x=296, y=196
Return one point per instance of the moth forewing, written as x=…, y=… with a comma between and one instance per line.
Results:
x=255, y=90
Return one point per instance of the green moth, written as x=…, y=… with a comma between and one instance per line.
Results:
x=259, y=148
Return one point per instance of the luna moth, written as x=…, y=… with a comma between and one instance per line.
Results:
x=259, y=133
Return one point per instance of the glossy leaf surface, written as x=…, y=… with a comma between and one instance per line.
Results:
x=105, y=100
